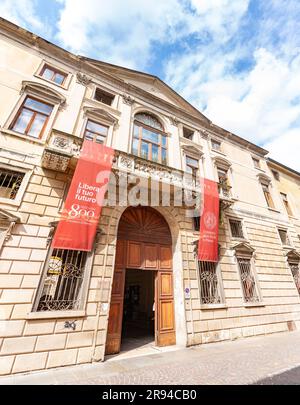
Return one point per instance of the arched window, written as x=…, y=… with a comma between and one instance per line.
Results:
x=149, y=140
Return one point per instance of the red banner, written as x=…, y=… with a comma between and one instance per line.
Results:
x=77, y=227
x=209, y=223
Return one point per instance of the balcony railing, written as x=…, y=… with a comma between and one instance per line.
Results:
x=62, y=149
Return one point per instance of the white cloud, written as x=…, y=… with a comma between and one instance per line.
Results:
x=22, y=12
x=127, y=32
x=118, y=31
x=261, y=104
x=286, y=148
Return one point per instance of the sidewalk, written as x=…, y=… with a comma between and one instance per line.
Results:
x=243, y=361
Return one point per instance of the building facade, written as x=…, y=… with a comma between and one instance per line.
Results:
x=62, y=307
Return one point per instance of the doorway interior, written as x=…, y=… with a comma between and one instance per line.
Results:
x=138, y=325
x=142, y=275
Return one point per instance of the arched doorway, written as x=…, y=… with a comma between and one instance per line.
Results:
x=144, y=246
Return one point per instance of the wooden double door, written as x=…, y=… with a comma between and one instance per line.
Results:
x=145, y=256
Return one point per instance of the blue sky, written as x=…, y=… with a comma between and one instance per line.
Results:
x=237, y=61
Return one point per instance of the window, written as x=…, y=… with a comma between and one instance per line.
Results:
x=54, y=75
x=216, y=145
x=210, y=291
x=103, y=96
x=276, y=175
x=236, y=228
x=196, y=221
x=224, y=187
x=284, y=237
x=286, y=204
x=32, y=118
x=95, y=132
x=62, y=286
x=188, y=133
x=294, y=266
x=256, y=163
x=149, y=141
x=267, y=194
x=192, y=167
x=10, y=182
x=248, y=280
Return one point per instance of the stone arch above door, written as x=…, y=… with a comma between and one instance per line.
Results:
x=144, y=224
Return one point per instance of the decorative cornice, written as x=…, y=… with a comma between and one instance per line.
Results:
x=293, y=256
x=101, y=114
x=243, y=248
x=40, y=89
x=262, y=177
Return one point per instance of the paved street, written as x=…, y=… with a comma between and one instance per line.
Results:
x=269, y=359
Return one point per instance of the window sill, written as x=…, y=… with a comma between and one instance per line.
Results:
x=22, y=136
x=7, y=201
x=61, y=86
x=55, y=314
x=254, y=304
x=213, y=306
x=274, y=210
x=218, y=151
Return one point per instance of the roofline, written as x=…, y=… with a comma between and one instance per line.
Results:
x=77, y=59
x=150, y=76
x=284, y=167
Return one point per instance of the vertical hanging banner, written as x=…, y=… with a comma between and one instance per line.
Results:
x=77, y=227
x=209, y=223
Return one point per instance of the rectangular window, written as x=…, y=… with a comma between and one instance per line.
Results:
x=104, y=97
x=286, y=204
x=284, y=237
x=276, y=175
x=267, y=195
x=188, y=133
x=248, y=280
x=196, y=221
x=224, y=187
x=62, y=286
x=54, y=75
x=10, y=182
x=149, y=144
x=209, y=283
x=32, y=118
x=216, y=145
x=236, y=228
x=95, y=132
x=296, y=274
x=192, y=167
x=256, y=163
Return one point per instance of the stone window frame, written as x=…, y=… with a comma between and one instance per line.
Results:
x=44, y=63
x=27, y=174
x=246, y=251
x=256, y=162
x=244, y=228
x=42, y=93
x=161, y=133
x=266, y=181
x=113, y=93
x=218, y=272
x=286, y=203
x=282, y=228
x=7, y=223
x=80, y=312
x=293, y=258
x=225, y=165
x=101, y=117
